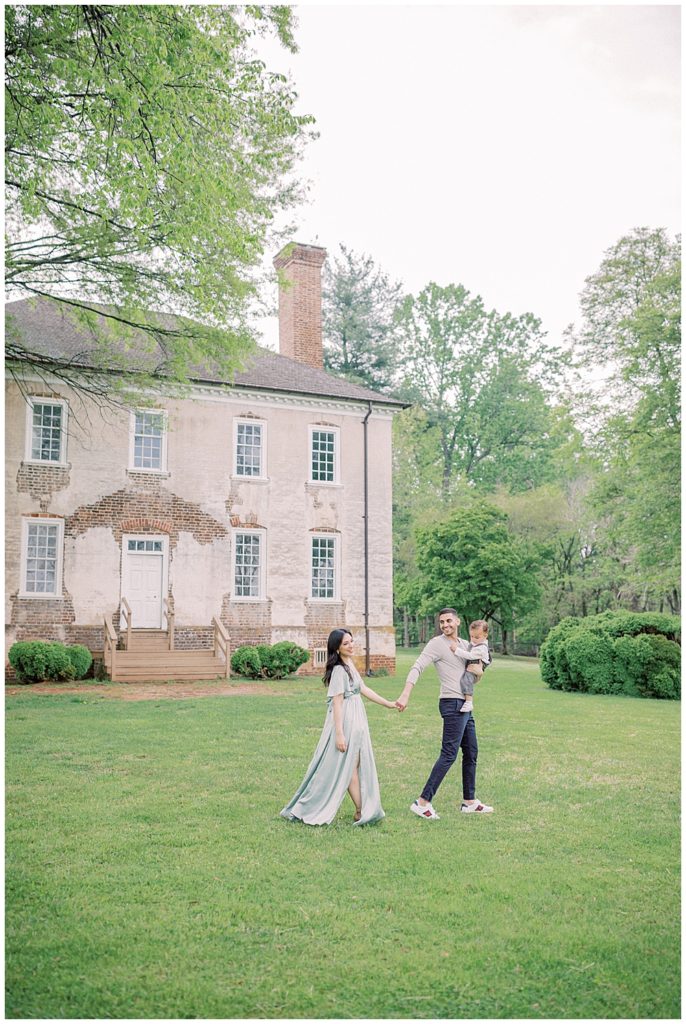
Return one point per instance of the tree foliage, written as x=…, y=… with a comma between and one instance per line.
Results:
x=481, y=380
x=631, y=321
x=359, y=303
x=631, y=327
x=147, y=151
x=470, y=561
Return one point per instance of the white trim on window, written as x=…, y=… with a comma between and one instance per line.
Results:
x=42, y=547
x=249, y=553
x=325, y=567
x=323, y=460
x=45, y=431
x=148, y=452
x=242, y=425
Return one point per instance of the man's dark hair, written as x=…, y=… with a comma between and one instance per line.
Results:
x=448, y=611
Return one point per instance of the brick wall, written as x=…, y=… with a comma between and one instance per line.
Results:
x=129, y=511
x=247, y=622
x=41, y=482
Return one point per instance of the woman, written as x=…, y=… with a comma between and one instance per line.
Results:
x=343, y=761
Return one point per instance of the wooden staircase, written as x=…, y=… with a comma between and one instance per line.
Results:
x=148, y=658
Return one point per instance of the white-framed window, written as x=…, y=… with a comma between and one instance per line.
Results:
x=324, y=455
x=249, y=564
x=324, y=567
x=41, y=557
x=249, y=449
x=46, y=431
x=148, y=440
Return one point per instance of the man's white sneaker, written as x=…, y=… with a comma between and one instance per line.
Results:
x=424, y=811
x=476, y=808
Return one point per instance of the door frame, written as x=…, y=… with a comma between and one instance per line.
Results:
x=123, y=578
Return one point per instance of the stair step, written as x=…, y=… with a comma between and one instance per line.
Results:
x=146, y=640
x=165, y=655
x=147, y=677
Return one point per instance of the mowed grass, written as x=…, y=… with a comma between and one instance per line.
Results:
x=149, y=874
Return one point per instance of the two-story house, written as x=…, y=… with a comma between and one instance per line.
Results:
x=262, y=504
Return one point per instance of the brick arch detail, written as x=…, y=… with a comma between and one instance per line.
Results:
x=138, y=525
x=131, y=511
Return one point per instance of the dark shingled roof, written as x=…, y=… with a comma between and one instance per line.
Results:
x=45, y=328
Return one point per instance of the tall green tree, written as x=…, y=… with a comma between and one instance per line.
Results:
x=630, y=320
x=469, y=560
x=359, y=303
x=631, y=331
x=147, y=151
x=482, y=381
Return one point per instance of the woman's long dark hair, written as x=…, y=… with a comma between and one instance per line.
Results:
x=333, y=658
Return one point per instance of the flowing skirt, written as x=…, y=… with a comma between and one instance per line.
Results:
x=329, y=774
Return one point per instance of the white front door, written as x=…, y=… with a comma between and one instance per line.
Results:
x=143, y=579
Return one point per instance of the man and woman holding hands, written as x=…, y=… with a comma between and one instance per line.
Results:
x=344, y=759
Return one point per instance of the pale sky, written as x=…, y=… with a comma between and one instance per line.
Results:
x=504, y=148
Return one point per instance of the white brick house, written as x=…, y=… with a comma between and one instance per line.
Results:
x=245, y=503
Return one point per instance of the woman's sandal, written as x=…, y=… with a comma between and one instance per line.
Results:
x=358, y=815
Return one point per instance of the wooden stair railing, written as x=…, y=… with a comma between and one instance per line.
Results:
x=128, y=618
x=222, y=644
x=168, y=613
x=110, y=648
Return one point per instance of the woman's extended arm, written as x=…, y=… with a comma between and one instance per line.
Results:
x=373, y=696
x=337, y=702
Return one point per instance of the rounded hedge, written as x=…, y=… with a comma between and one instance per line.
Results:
x=265, y=662
x=637, y=654
x=245, y=661
x=36, y=660
x=81, y=658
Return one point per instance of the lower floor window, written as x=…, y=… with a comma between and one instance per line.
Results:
x=41, y=558
x=248, y=563
x=324, y=567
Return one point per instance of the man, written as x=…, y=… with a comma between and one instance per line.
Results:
x=450, y=656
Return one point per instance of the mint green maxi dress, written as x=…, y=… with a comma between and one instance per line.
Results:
x=326, y=781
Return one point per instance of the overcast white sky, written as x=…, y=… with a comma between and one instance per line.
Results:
x=504, y=148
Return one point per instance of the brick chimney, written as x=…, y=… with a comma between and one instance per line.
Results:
x=300, y=303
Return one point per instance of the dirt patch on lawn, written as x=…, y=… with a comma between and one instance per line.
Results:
x=150, y=691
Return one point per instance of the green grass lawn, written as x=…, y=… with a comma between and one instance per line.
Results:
x=149, y=874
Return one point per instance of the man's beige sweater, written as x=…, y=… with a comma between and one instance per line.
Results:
x=449, y=665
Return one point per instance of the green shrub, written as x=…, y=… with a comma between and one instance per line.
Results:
x=623, y=623
x=245, y=661
x=649, y=666
x=554, y=665
x=281, y=659
x=263, y=654
x=636, y=654
x=81, y=659
x=35, y=660
x=589, y=661
x=265, y=662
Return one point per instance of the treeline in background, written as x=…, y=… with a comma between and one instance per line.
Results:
x=533, y=479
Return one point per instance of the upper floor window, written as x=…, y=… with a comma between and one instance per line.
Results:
x=248, y=564
x=47, y=430
x=249, y=448
x=148, y=440
x=324, y=455
x=41, y=557
x=324, y=569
